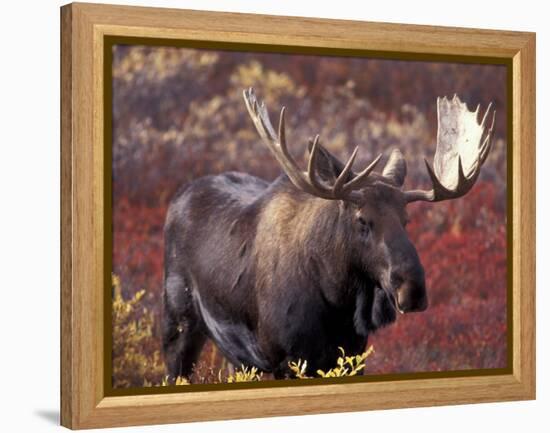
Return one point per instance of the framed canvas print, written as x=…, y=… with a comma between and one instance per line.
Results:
x=307, y=215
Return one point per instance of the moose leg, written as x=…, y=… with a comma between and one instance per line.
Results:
x=183, y=334
x=283, y=371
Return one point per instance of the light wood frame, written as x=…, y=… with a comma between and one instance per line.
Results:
x=83, y=400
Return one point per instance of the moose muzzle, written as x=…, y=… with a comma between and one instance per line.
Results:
x=411, y=297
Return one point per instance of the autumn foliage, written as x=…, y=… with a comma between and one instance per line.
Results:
x=178, y=115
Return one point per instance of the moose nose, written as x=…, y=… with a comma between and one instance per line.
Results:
x=412, y=297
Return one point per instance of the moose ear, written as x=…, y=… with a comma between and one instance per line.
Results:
x=328, y=166
x=396, y=168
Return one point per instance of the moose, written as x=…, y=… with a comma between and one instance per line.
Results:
x=315, y=260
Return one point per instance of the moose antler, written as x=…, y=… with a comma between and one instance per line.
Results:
x=462, y=147
x=306, y=181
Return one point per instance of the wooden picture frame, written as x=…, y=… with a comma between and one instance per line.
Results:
x=84, y=29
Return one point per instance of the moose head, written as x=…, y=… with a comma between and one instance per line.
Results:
x=374, y=205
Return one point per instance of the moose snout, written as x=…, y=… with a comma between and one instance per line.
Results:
x=411, y=297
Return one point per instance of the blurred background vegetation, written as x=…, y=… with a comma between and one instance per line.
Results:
x=178, y=114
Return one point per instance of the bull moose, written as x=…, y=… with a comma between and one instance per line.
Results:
x=315, y=260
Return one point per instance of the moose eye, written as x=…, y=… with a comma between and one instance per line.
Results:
x=364, y=226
